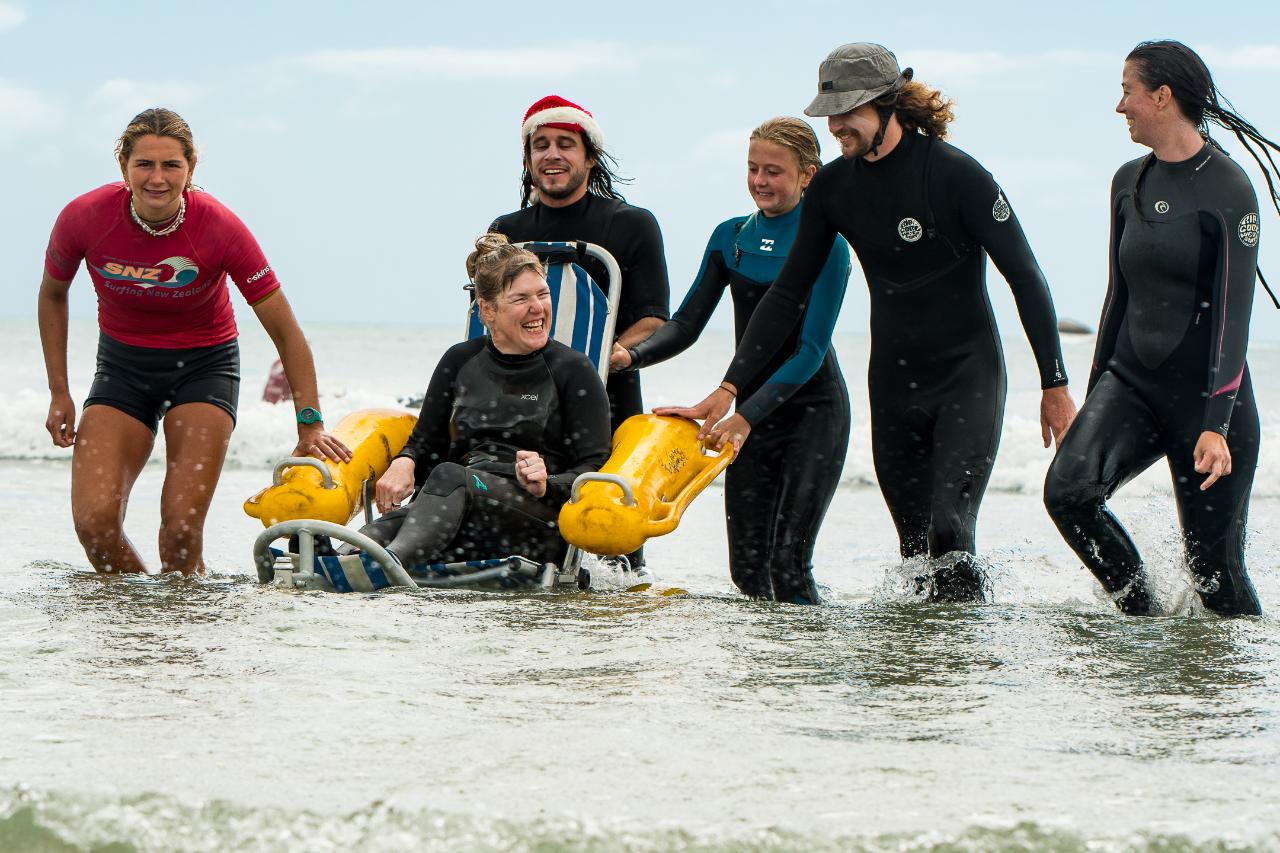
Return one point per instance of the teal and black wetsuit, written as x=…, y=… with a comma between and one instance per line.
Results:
x=1168, y=366
x=480, y=408
x=778, y=489
x=922, y=220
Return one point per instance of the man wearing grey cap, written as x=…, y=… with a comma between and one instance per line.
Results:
x=922, y=216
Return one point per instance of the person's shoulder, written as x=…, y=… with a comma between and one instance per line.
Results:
x=565, y=356
x=104, y=197
x=463, y=351
x=1127, y=175
x=626, y=212
x=505, y=223
x=205, y=208
x=726, y=232
x=1226, y=176
x=948, y=159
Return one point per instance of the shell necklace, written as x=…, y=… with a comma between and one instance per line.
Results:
x=170, y=228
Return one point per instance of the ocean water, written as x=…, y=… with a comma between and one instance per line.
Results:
x=161, y=713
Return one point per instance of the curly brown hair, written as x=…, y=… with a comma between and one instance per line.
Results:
x=919, y=107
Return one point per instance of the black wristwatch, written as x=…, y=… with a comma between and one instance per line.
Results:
x=308, y=415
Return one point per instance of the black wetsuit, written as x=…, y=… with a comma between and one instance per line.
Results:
x=632, y=236
x=778, y=489
x=1169, y=365
x=480, y=408
x=922, y=220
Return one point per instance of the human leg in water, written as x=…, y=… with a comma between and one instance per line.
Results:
x=933, y=462
x=1114, y=438
x=966, y=437
x=1213, y=519
x=776, y=501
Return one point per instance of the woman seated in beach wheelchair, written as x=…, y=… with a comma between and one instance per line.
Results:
x=513, y=429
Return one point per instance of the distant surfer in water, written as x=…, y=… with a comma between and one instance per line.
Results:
x=159, y=252
x=779, y=487
x=922, y=217
x=1169, y=376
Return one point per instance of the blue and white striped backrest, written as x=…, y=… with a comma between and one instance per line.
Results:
x=579, y=310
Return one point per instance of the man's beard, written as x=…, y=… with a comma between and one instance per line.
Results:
x=861, y=146
x=569, y=189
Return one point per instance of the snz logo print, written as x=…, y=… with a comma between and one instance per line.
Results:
x=171, y=272
x=1000, y=211
x=910, y=230
x=1162, y=207
x=1248, y=230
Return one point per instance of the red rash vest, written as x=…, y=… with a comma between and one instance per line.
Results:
x=163, y=292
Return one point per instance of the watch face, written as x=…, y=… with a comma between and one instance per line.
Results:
x=308, y=415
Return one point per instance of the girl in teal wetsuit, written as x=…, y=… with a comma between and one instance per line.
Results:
x=797, y=409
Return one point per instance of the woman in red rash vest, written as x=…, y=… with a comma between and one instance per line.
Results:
x=159, y=252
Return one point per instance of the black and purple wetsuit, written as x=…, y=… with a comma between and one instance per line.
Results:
x=1169, y=366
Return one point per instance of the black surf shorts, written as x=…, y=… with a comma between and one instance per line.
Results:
x=145, y=382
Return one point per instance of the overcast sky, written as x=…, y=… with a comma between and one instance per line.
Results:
x=367, y=144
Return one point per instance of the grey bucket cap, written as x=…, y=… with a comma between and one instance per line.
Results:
x=855, y=74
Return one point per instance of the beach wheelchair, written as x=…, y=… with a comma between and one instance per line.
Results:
x=312, y=497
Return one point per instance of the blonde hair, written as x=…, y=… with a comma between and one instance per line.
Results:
x=921, y=108
x=157, y=121
x=495, y=263
x=794, y=135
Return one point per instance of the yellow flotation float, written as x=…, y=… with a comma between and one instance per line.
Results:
x=334, y=491
x=657, y=468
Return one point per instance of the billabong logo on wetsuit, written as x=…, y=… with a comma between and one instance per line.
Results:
x=766, y=245
x=1162, y=206
x=1000, y=211
x=910, y=230
x=171, y=272
x=480, y=483
x=1248, y=230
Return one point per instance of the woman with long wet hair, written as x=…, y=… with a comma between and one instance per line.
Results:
x=1169, y=375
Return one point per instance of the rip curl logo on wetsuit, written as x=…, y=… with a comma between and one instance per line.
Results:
x=1248, y=230
x=171, y=272
x=1000, y=211
x=910, y=230
x=1162, y=207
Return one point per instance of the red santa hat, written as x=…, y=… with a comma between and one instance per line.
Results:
x=555, y=111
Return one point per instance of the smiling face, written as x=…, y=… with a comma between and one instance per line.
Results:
x=156, y=172
x=559, y=165
x=856, y=130
x=774, y=177
x=519, y=319
x=1145, y=110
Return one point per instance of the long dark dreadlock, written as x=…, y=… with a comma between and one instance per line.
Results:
x=600, y=180
x=1173, y=64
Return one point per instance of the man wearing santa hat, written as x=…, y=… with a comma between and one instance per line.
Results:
x=567, y=194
